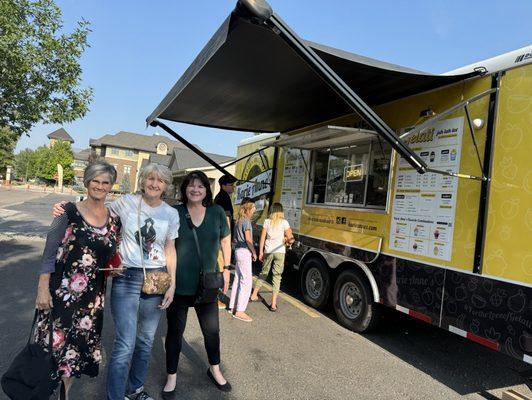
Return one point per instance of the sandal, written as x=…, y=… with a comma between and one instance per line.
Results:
x=254, y=300
x=248, y=319
x=273, y=309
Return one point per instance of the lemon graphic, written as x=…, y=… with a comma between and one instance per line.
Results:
x=518, y=103
x=528, y=219
x=527, y=182
x=508, y=168
x=505, y=232
x=515, y=80
x=510, y=208
x=495, y=263
x=511, y=136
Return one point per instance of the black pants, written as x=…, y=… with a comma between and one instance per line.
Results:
x=176, y=315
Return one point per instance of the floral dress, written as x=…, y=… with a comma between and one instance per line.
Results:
x=78, y=291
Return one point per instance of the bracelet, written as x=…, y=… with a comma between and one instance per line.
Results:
x=227, y=266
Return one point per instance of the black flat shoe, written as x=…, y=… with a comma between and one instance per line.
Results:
x=168, y=395
x=223, y=388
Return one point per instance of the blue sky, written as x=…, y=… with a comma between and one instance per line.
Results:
x=139, y=49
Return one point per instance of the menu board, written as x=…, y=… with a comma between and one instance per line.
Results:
x=424, y=205
x=293, y=188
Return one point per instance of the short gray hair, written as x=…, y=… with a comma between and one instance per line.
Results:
x=98, y=168
x=158, y=170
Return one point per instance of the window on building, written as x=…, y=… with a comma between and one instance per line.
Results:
x=129, y=153
x=351, y=176
x=127, y=169
x=114, y=151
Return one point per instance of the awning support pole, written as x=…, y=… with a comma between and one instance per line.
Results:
x=178, y=137
x=247, y=155
x=262, y=12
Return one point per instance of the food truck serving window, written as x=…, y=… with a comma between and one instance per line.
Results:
x=351, y=176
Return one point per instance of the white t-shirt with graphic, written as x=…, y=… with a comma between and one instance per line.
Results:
x=157, y=225
x=275, y=236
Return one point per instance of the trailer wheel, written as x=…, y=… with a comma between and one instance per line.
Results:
x=315, y=283
x=353, y=302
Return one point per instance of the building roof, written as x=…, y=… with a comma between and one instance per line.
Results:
x=136, y=141
x=82, y=155
x=60, y=134
x=182, y=159
x=160, y=159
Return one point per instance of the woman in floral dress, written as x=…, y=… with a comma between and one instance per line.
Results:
x=71, y=288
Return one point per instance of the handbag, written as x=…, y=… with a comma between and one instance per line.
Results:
x=29, y=376
x=155, y=282
x=114, y=263
x=210, y=283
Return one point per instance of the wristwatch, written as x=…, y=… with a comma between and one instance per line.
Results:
x=228, y=266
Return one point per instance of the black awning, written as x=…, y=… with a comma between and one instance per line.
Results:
x=248, y=79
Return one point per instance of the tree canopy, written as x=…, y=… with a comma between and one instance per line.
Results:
x=42, y=162
x=40, y=74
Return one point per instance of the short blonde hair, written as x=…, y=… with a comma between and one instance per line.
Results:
x=98, y=168
x=159, y=171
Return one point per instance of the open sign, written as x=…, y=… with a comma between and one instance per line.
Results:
x=354, y=173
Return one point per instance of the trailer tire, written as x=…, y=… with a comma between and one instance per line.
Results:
x=315, y=283
x=353, y=302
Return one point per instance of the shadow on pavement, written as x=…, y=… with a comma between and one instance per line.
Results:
x=459, y=364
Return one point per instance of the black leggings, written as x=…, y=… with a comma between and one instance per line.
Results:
x=176, y=316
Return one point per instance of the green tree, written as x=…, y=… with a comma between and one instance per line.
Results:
x=40, y=75
x=39, y=157
x=125, y=185
x=59, y=153
x=24, y=164
x=8, y=141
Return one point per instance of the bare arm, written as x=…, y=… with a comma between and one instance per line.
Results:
x=262, y=241
x=171, y=259
x=289, y=236
x=226, y=249
x=44, y=298
x=249, y=242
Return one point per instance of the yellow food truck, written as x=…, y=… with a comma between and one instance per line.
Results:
x=404, y=189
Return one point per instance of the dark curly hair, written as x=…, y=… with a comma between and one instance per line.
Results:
x=200, y=176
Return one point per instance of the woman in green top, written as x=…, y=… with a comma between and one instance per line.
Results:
x=210, y=223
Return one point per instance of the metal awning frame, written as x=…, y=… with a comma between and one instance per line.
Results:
x=430, y=123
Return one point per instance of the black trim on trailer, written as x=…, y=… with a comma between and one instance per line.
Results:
x=485, y=184
x=191, y=147
x=274, y=175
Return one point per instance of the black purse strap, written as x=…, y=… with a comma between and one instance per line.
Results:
x=50, y=329
x=193, y=229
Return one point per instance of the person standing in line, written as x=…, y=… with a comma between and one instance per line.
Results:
x=275, y=234
x=71, y=289
x=223, y=199
x=210, y=224
x=244, y=253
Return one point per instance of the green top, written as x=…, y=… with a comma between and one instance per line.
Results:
x=212, y=229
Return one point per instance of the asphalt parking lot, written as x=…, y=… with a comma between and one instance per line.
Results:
x=296, y=353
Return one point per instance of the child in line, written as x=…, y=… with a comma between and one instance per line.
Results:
x=276, y=233
x=244, y=253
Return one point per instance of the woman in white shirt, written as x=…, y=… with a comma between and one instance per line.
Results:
x=276, y=233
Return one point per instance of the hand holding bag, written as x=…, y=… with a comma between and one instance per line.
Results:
x=155, y=282
x=209, y=282
x=29, y=376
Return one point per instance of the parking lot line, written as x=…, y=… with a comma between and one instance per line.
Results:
x=296, y=303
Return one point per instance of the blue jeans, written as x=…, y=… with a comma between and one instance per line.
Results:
x=136, y=317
